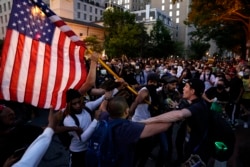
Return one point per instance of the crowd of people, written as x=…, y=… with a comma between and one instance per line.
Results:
x=169, y=92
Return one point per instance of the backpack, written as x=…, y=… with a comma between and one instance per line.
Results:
x=221, y=137
x=101, y=151
x=65, y=137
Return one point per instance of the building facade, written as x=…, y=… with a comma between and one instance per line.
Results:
x=149, y=16
x=78, y=14
x=178, y=12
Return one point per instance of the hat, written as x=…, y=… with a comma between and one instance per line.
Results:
x=72, y=94
x=152, y=77
x=197, y=85
x=168, y=79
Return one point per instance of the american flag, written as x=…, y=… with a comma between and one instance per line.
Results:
x=42, y=57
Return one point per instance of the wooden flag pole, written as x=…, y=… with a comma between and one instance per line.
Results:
x=117, y=77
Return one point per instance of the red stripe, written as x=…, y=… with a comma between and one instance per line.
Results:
x=31, y=72
x=16, y=69
x=83, y=68
x=45, y=77
x=4, y=56
x=59, y=70
x=72, y=72
x=69, y=33
x=59, y=23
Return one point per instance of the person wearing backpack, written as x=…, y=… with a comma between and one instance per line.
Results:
x=124, y=135
x=197, y=120
x=77, y=115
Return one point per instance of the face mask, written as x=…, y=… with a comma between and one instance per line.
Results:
x=103, y=72
x=220, y=87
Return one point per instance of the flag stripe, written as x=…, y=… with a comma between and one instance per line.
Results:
x=59, y=67
x=16, y=68
x=42, y=55
x=3, y=65
x=24, y=69
x=45, y=77
x=32, y=70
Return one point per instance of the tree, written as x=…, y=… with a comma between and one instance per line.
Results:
x=123, y=36
x=93, y=43
x=215, y=16
x=198, y=49
x=161, y=44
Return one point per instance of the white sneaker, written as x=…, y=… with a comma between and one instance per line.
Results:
x=245, y=125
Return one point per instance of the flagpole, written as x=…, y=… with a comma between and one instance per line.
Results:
x=117, y=77
x=112, y=72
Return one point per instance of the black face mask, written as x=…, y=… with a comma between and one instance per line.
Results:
x=220, y=87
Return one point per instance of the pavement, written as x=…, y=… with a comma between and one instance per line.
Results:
x=57, y=156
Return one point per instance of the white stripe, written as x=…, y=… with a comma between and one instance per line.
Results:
x=38, y=73
x=77, y=69
x=65, y=28
x=65, y=72
x=54, y=18
x=74, y=38
x=53, y=67
x=8, y=69
x=24, y=67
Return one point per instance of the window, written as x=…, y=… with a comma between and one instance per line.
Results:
x=9, y=5
x=1, y=19
x=4, y=7
x=100, y=12
x=96, y=18
x=78, y=15
x=6, y=18
x=178, y=5
x=170, y=14
x=163, y=7
x=0, y=8
x=162, y=1
x=84, y=7
x=95, y=10
x=177, y=13
x=78, y=6
x=90, y=18
x=177, y=20
x=90, y=9
x=84, y=16
x=2, y=30
x=170, y=6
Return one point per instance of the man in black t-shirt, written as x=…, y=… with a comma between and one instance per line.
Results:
x=217, y=94
x=197, y=119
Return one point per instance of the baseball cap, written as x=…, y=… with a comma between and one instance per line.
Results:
x=169, y=79
x=197, y=85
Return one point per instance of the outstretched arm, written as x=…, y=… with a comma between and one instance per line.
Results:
x=90, y=80
x=38, y=147
x=169, y=117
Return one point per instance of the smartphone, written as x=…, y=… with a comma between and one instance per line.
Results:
x=19, y=152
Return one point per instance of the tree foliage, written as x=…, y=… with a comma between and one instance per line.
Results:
x=161, y=44
x=198, y=49
x=122, y=35
x=93, y=43
x=222, y=20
